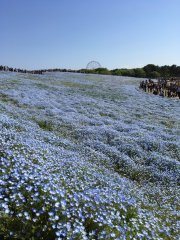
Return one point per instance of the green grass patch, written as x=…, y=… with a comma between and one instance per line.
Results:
x=8, y=99
x=45, y=125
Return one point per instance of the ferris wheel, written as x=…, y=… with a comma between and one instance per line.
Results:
x=93, y=65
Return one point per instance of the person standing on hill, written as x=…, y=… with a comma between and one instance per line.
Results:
x=178, y=92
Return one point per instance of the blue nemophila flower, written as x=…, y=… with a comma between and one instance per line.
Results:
x=51, y=214
x=56, y=217
x=57, y=204
x=100, y=161
x=63, y=203
x=58, y=234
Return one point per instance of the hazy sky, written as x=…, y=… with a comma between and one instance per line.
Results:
x=70, y=33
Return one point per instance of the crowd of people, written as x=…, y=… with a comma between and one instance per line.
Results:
x=162, y=87
x=11, y=69
x=41, y=71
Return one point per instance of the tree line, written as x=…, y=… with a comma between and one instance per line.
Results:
x=148, y=71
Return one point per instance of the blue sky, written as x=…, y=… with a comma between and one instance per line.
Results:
x=69, y=33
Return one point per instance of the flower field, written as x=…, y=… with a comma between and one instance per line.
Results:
x=87, y=157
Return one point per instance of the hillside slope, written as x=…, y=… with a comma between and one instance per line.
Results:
x=87, y=157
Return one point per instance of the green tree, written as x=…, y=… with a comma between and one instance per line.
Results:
x=102, y=71
x=116, y=72
x=165, y=71
x=139, y=72
x=154, y=74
